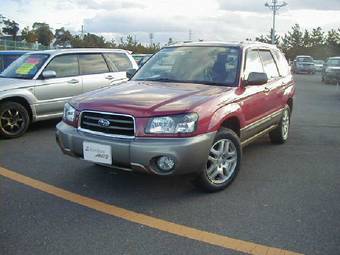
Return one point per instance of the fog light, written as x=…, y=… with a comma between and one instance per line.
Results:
x=166, y=163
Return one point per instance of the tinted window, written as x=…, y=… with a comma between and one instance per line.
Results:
x=282, y=63
x=253, y=63
x=64, y=66
x=1, y=63
x=202, y=64
x=119, y=61
x=269, y=64
x=8, y=59
x=92, y=64
x=304, y=59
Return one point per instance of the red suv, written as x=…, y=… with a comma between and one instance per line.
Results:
x=190, y=109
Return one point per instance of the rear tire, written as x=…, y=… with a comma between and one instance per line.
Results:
x=280, y=134
x=223, y=162
x=14, y=120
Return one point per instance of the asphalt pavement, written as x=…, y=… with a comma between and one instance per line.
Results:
x=285, y=196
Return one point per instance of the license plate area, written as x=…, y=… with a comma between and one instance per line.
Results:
x=98, y=153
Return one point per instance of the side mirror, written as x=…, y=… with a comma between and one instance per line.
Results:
x=130, y=72
x=255, y=78
x=49, y=74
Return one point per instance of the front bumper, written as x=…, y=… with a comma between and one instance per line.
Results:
x=334, y=76
x=139, y=154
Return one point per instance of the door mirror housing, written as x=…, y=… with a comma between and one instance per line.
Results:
x=130, y=72
x=255, y=78
x=49, y=74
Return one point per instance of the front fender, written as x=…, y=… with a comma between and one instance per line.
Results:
x=224, y=113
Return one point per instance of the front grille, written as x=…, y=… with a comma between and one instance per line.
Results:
x=108, y=123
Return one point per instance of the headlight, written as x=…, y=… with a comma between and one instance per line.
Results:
x=69, y=113
x=185, y=123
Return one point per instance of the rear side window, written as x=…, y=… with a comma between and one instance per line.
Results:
x=282, y=63
x=119, y=61
x=64, y=66
x=1, y=63
x=269, y=65
x=92, y=64
x=253, y=63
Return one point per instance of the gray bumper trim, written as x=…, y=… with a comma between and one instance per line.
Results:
x=139, y=154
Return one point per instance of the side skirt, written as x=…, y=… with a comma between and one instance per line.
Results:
x=262, y=133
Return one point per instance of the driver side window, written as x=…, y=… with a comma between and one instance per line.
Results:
x=253, y=63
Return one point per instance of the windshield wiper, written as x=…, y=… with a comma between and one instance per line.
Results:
x=159, y=79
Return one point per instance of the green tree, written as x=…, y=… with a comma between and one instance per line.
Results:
x=29, y=35
x=317, y=37
x=268, y=38
x=43, y=32
x=89, y=41
x=63, y=37
x=11, y=28
x=306, y=39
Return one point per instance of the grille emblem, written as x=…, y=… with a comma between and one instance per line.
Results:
x=103, y=122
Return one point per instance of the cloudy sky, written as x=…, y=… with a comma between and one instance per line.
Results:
x=207, y=19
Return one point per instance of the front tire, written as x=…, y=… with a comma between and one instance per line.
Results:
x=14, y=120
x=280, y=134
x=223, y=162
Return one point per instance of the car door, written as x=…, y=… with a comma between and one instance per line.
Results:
x=119, y=63
x=53, y=93
x=272, y=90
x=253, y=102
x=95, y=71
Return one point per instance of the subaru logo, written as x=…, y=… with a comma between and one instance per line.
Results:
x=103, y=122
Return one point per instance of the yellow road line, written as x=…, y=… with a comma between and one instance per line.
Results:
x=152, y=222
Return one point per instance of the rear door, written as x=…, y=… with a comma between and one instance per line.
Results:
x=95, y=71
x=54, y=92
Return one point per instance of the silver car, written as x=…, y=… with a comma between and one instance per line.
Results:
x=37, y=85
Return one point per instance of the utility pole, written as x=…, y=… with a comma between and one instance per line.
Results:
x=151, y=39
x=274, y=6
x=190, y=34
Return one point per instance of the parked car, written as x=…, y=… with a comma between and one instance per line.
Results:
x=141, y=58
x=318, y=65
x=177, y=117
x=37, y=85
x=331, y=70
x=8, y=56
x=303, y=64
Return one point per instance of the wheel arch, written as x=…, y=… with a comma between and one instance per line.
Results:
x=20, y=100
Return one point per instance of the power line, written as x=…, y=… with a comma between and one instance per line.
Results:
x=275, y=6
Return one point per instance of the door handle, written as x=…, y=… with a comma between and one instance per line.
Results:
x=266, y=90
x=73, y=81
x=109, y=77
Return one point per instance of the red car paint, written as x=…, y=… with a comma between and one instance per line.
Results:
x=214, y=104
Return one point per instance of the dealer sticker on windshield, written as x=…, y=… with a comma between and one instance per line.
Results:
x=98, y=153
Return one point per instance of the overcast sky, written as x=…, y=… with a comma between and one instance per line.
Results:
x=207, y=19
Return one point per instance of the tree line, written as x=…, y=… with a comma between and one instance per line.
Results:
x=42, y=33
x=315, y=42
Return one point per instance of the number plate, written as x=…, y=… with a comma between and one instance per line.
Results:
x=98, y=153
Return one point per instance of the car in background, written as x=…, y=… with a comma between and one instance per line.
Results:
x=303, y=64
x=190, y=109
x=141, y=58
x=37, y=85
x=318, y=63
x=331, y=70
x=9, y=56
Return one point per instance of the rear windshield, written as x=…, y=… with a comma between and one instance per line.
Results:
x=333, y=62
x=304, y=59
x=25, y=67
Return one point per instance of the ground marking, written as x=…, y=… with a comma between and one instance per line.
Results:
x=152, y=222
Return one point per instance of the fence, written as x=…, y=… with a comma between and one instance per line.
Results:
x=16, y=45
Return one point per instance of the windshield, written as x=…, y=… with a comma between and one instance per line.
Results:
x=304, y=59
x=333, y=62
x=25, y=67
x=319, y=62
x=205, y=65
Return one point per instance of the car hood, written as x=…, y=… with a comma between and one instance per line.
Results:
x=143, y=99
x=334, y=67
x=9, y=83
